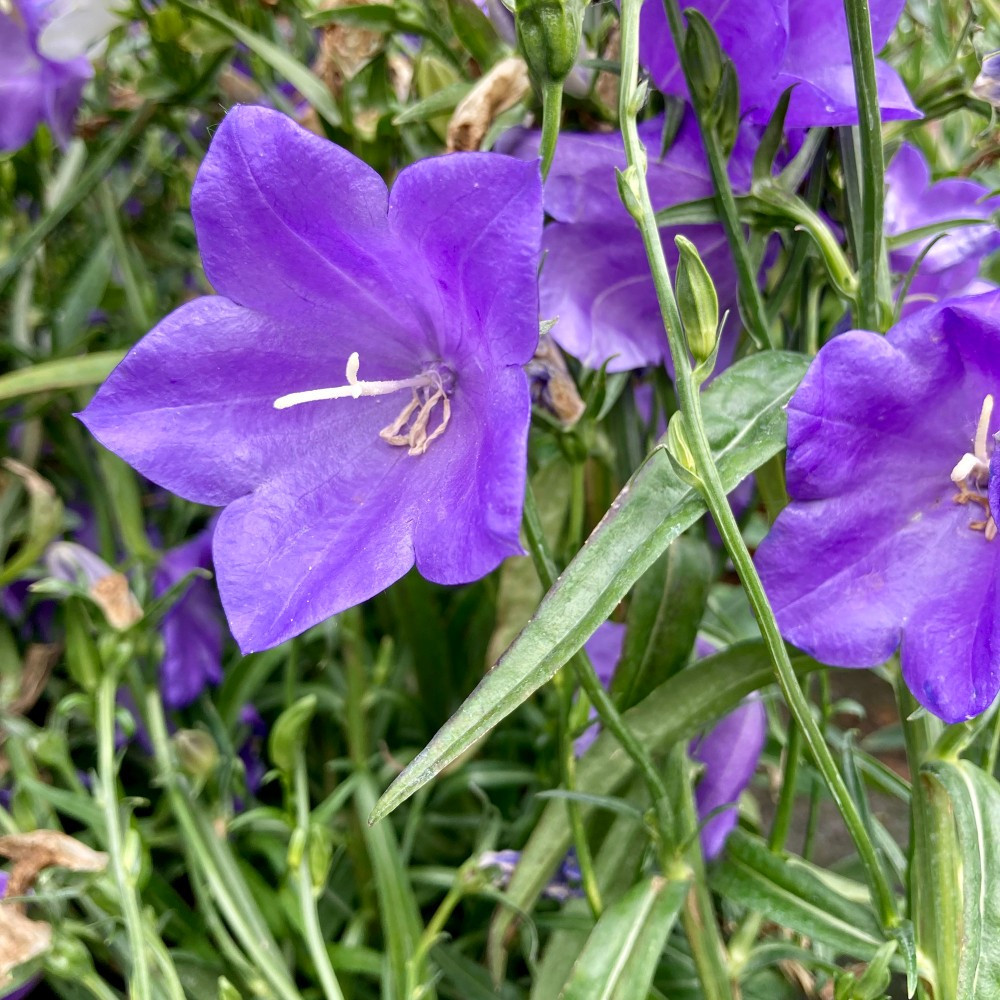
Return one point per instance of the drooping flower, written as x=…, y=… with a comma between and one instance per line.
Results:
x=43, y=65
x=595, y=276
x=889, y=541
x=729, y=751
x=986, y=86
x=779, y=44
x=192, y=628
x=336, y=482
x=951, y=265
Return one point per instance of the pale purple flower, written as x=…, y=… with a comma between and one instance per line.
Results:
x=888, y=541
x=595, y=276
x=951, y=265
x=192, y=629
x=776, y=44
x=354, y=394
x=43, y=68
x=729, y=751
x=564, y=885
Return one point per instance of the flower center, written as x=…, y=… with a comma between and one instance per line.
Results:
x=971, y=475
x=411, y=429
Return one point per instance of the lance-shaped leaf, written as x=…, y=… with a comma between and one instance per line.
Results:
x=745, y=420
x=620, y=957
x=975, y=800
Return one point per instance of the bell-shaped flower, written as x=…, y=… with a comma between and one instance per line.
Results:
x=777, y=44
x=889, y=541
x=43, y=63
x=354, y=395
x=951, y=262
x=595, y=277
x=192, y=629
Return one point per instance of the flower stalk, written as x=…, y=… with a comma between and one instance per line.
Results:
x=712, y=488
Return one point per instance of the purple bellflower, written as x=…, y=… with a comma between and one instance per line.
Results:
x=779, y=44
x=729, y=751
x=889, y=541
x=192, y=629
x=43, y=68
x=951, y=265
x=354, y=394
x=595, y=277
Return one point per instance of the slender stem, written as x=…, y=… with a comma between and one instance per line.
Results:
x=211, y=858
x=140, y=983
x=751, y=301
x=786, y=801
x=870, y=251
x=307, y=898
x=97, y=987
x=711, y=484
x=552, y=94
x=584, y=856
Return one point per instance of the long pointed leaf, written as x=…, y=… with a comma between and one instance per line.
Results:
x=745, y=419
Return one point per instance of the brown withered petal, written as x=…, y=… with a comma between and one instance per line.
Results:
x=552, y=385
x=33, y=852
x=493, y=94
x=21, y=940
x=112, y=595
x=39, y=659
x=344, y=49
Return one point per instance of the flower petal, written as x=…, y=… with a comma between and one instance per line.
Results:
x=474, y=220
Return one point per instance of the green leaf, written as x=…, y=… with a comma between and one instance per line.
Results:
x=372, y=17
x=975, y=800
x=63, y=373
x=310, y=86
x=745, y=421
x=475, y=31
x=674, y=711
x=621, y=955
x=441, y=102
x=797, y=895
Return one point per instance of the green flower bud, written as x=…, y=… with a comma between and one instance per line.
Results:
x=703, y=58
x=697, y=301
x=549, y=33
x=288, y=733
x=677, y=444
x=196, y=752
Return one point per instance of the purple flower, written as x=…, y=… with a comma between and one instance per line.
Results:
x=730, y=751
x=336, y=482
x=595, y=277
x=251, y=750
x=888, y=542
x=192, y=628
x=951, y=265
x=564, y=885
x=779, y=44
x=42, y=66
x=22, y=991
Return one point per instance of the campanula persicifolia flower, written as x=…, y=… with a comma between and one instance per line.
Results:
x=192, y=628
x=889, y=541
x=43, y=66
x=779, y=44
x=951, y=265
x=354, y=395
x=595, y=276
x=729, y=751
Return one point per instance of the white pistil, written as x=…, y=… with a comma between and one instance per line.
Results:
x=354, y=389
x=974, y=468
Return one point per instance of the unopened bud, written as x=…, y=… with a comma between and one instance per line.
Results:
x=196, y=752
x=107, y=588
x=697, y=301
x=703, y=57
x=986, y=86
x=549, y=33
x=677, y=444
x=629, y=187
x=726, y=108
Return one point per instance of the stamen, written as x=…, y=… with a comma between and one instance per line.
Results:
x=416, y=438
x=354, y=388
x=971, y=474
x=982, y=431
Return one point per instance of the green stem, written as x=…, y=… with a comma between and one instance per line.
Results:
x=552, y=93
x=307, y=898
x=751, y=302
x=786, y=801
x=212, y=858
x=711, y=484
x=140, y=984
x=870, y=250
x=588, y=874
x=97, y=987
